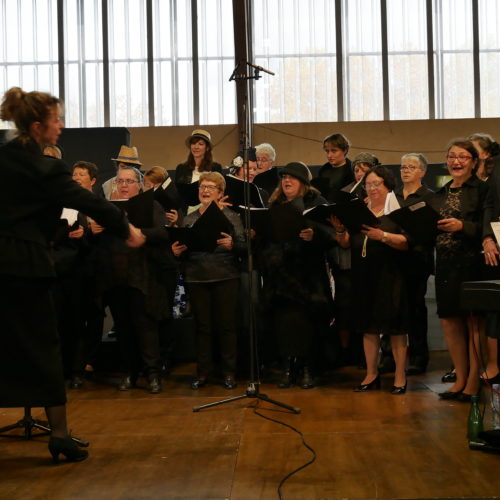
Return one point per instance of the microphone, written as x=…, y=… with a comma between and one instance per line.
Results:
x=260, y=68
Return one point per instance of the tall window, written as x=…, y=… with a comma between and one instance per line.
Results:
x=407, y=59
x=216, y=61
x=454, y=59
x=489, y=54
x=83, y=64
x=128, y=63
x=173, y=63
x=28, y=45
x=296, y=40
x=365, y=100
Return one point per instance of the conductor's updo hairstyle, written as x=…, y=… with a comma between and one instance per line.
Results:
x=24, y=108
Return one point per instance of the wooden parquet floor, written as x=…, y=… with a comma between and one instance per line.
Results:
x=368, y=446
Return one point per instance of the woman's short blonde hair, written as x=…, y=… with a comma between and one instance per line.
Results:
x=216, y=178
x=157, y=175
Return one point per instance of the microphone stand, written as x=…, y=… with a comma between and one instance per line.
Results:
x=253, y=386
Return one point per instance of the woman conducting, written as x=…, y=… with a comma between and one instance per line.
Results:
x=30, y=361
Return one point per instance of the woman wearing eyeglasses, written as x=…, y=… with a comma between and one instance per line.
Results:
x=212, y=280
x=458, y=259
x=137, y=298
x=413, y=169
x=380, y=300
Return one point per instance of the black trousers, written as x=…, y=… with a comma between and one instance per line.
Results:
x=137, y=330
x=214, y=308
x=417, y=335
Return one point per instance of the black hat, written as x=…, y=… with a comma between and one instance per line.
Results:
x=298, y=170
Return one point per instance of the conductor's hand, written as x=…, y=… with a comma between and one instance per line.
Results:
x=177, y=248
x=77, y=233
x=491, y=254
x=94, y=227
x=136, y=239
x=226, y=241
x=307, y=234
x=224, y=203
x=451, y=225
x=173, y=217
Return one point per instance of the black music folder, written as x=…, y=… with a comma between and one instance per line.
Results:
x=279, y=224
x=320, y=213
x=189, y=192
x=419, y=221
x=202, y=236
x=354, y=214
x=268, y=180
x=235, y=189
x=139, y=209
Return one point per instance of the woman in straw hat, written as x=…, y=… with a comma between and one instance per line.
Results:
x=199, y=159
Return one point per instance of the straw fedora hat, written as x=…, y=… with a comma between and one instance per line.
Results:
x=200, y=134
x=128, y=155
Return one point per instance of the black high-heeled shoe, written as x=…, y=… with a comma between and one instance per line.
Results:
x=399, y=390
x=68, y=448
x=374, y=384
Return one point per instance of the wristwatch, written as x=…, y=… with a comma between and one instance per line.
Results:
x=384, y=237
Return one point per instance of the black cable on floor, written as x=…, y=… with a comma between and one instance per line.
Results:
x=310, y=448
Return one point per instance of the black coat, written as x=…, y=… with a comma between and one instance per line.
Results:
x=33, y=191
x=295, y=271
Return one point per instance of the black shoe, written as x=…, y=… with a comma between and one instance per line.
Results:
x=229, y=382
x=374, y=384
x=492, y=380
x=450, y=376
x=307, y=380
x=127, y=383
x=68, y=448
x=198, y=382
x=450, y=394
x=76, y=382
x=288, y=375
x=154, y=384
x=398, y=390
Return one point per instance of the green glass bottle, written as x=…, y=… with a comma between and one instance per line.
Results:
x=475, y=420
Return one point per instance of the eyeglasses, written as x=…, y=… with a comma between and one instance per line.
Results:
x=405, y=168
x=205, y=187
x=376, y=184
x=461, y=158
x=126, y=181
x=262, y=160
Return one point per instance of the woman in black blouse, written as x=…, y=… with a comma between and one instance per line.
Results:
x=379, y=300
x=458, y=259
x=199, y=159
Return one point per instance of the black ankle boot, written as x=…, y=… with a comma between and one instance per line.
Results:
x=68, y=448
x=288, y=376
x=307, y=380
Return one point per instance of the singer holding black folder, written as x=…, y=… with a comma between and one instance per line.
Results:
x=380, y=301
x=132, y=282
x=296, y=289
x=212, y=279
x=413, y=168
